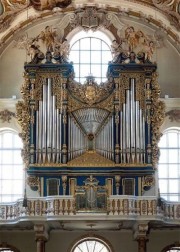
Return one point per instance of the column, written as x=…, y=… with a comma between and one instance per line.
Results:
x=41, y=236
x=141, y=235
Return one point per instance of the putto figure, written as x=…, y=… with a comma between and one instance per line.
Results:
x=48, y=38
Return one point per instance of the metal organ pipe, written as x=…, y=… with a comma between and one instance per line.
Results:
x=44, y=126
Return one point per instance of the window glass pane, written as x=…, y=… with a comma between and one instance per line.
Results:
x=11, y=168
x=76, y=70
x=85, y=57
x=96, y=70
x=163, y=171
x=91, y=53
x=7, y=157
x=172, y=139
x=163, y=156
x=7, y=140
x=173, y=171
x=163, y=186
x=173, y=198
x=74, y=57
x=96, y=57
x=17, y=157
x=173, y=185
x=106, y=57
x=173, y=156
x=84, y=70
x=6, y=186
x=17, y=186
x=95, y=44
x=85, y=44
x=7, y=172
x=163, y=141
x=76, y=45
x=17, y=142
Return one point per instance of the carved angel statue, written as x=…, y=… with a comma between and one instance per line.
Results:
x=61, y=51
x=116, y=49
x=149, y=51
x=130, y=36
x=48, y=37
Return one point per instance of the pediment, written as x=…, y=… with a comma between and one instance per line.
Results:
x=91, y=159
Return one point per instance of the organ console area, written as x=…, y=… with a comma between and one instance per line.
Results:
x=90, y=140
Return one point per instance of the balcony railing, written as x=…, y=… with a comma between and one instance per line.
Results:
x=120, y=207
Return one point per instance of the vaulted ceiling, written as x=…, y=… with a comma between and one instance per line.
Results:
x=158, y=18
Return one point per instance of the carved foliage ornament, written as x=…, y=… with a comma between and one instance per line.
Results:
x=6, y=115
x=90, y=92
x=140, y=91
x=157, y=117
x=172, y=8
x=90, y=18
x=23, y=116
x=174, y=115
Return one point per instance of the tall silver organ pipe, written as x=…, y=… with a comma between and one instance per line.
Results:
x=48, y=127
x=77, y=140
x=104, y=140
x=132, y=128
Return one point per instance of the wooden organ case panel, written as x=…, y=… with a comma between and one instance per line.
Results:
x=106, y=135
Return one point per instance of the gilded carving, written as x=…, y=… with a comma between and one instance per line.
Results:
x=174, y=115
x=140, y=89
x=91, y=159
x=23, y=116
x=90, y=92
x=33, y=182
x=157, y=117
x=6, y=115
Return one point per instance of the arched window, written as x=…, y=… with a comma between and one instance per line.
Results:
x=11, y=166
x=91, y=244
x=4, y=247
x=172, y=248
x=169, y=165
x=90, y=52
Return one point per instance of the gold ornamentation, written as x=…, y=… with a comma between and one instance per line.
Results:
x=49, y=4
x=6, y=115
x=90, y=159
x=33, y=182
x=90, y=92
x=23, y=116
x=147, y=182
x=140, y=88
x=171, y=8
x=74, y=104
x=174, y=115
x=157, y=117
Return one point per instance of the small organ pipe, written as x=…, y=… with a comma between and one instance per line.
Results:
x=124, y=133
x=37, y=135
x=44, y=121
x=58, y=133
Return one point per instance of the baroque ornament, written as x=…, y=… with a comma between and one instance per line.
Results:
x=90, y=92
x=157, y=117
x=23, y=116
x=6, y=115
x=90, y=18
x=174, y=115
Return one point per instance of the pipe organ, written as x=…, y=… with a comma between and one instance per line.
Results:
x=91, y=139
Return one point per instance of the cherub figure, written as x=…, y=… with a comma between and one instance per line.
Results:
x=116, y=49
x=48, y=37
x=130, y=35
x=149, y=51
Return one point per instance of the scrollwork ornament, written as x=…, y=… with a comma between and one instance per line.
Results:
x=157, y=117
x=23, y=116
x=33, y=182
x=6, y=115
